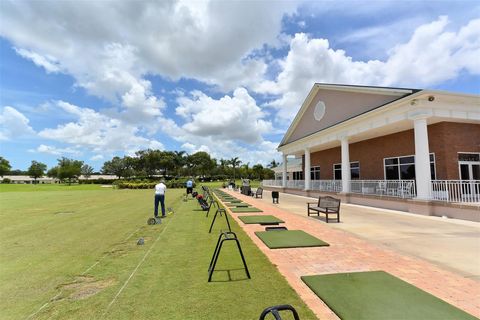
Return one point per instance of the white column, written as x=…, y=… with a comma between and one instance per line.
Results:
x=422, y=158
x=306, y=170
x=284, y=171
x=345, y=166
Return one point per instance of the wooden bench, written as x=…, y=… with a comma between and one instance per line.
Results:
x=258, y=193
x=327, y=205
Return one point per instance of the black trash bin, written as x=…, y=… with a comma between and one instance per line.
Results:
x=246, y=190
x=275, y=196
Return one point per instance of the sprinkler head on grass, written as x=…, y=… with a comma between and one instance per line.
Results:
x=141, y=242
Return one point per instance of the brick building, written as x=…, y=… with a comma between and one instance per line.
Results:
x=407, y=149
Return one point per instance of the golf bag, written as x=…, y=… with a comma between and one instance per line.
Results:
x=203, y=203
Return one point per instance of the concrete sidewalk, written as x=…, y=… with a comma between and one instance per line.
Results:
x=449, y=243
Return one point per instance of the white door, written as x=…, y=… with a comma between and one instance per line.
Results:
x=469, y=169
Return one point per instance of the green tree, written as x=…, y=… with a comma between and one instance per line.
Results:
x=121, y=167
x=268, y=173
x=201, y=163
x=245, y=170
x=179, y=161
x=148, y=161
x=4, y=166
x=53, y=172
x=69, y=169
x=234, y=162
x=258, y=171
x=166, y=161
x=86, y=171
x=36, y=170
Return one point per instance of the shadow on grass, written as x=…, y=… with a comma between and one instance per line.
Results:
x=229, y=275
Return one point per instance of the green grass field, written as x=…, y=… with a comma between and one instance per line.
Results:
x=70, y=253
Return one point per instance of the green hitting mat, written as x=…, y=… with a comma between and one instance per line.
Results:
x=248, y=209
x=238, y=205
x=266, y=219
x=377, y=295
x=289, y=239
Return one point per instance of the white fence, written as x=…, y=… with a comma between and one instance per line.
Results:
x=393, y=188
x=296, y=184
x=272, y=183
x=456, y=190
x=327, y=185
x=442, y=190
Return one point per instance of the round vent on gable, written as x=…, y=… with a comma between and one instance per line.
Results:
x=319, y=111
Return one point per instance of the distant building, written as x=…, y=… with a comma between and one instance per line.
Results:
x=28, y=180
x=44, y=180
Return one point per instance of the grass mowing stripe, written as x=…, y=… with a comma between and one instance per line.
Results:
x=44, y=305
x=134, y=271
x=106, y=254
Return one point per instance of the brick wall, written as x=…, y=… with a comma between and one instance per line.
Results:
x=446, y=139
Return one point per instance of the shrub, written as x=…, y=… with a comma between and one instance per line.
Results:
x=6, y=180
x=97, y=181
x=139, y=184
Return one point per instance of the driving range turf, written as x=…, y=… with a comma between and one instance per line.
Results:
x=71, y=254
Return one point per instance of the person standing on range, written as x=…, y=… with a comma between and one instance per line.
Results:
x=160, y=197
x=189, y=186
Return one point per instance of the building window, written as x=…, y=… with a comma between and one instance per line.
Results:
x=297, y=175
x=315, y=173
x=469, y=165
x=354, y=171
x=403, y=168
x=475, y=157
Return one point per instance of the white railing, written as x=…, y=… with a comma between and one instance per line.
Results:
x=293, y=184
x=442, y=190
x=326, y=185
x=392, y=188
x=296, y=184
x=272, y=183
x=456, y=190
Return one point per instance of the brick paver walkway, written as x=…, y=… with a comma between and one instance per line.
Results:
x=348, y=253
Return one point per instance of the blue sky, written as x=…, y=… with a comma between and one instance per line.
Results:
x=91, y=80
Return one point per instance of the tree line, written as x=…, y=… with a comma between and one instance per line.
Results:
x=147, y=164
x=150, y=163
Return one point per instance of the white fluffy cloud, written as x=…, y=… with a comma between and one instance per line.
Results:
x=55, y=150
x=221, y=142
x=13, y=124
x=97, y=132
x=233, y=118
x=207, y=40
x=432, y=55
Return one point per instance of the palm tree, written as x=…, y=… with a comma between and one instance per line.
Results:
x=247, y=169
x=235, y=162
x=273, y=164
x=179, y=160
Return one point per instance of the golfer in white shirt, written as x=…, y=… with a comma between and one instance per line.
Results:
x=160, y=197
